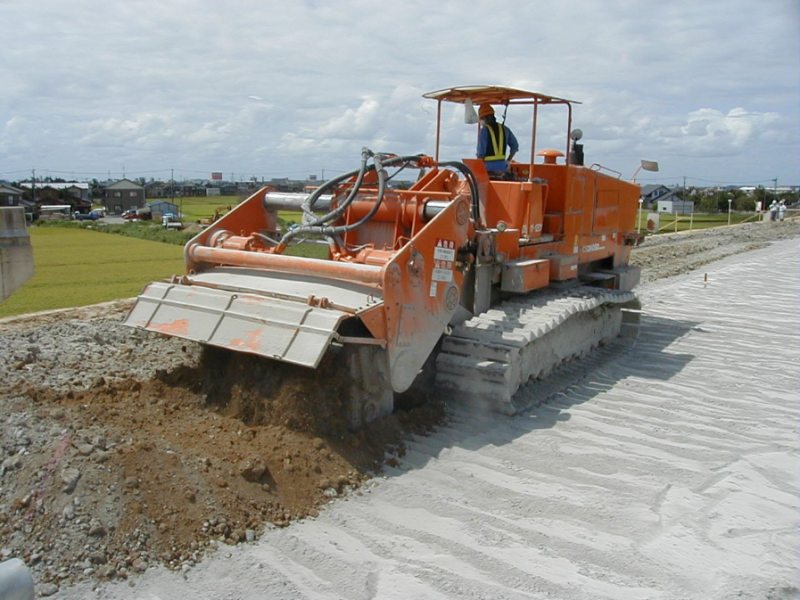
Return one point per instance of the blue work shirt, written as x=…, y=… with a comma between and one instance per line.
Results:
x=484, y=147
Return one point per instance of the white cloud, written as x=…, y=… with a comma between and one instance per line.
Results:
x=294, y=86
x=711, y=132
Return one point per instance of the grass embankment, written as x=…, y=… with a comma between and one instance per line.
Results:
x=75, y=267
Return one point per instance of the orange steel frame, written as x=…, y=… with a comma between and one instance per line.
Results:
x=589, y=214
x=553, y=210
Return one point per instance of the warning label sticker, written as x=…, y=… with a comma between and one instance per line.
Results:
x=443, y=275
x=444, y=255
x=445, y=250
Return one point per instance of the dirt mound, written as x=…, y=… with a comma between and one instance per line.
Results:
x=668, y=255
x=132, y=472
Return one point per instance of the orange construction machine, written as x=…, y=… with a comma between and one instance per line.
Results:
x=481, y=283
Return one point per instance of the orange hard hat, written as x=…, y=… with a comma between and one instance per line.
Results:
x=485, y=110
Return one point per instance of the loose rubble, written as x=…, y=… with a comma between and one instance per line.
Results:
x=121, y=450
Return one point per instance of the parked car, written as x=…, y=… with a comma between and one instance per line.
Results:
x=92, y=216
x=137, y=215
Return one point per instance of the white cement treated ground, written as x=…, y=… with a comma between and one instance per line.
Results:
x=672, y=472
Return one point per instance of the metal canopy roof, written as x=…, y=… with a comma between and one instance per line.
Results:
x=493, y=94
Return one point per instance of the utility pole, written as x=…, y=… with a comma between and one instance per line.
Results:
x=33, y=185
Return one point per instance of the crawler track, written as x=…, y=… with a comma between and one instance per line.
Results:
x=485, y=360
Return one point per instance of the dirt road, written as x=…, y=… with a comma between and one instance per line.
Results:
x=123, y=452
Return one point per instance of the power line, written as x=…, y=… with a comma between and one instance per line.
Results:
x=12, y=172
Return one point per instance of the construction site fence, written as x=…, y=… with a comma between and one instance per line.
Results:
x=792, y=213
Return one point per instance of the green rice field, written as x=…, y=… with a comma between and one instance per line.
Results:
x=193, y=208
x=78, y=267
x=199, y=207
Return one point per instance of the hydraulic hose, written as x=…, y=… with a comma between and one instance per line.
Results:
x=317, y=226
x=308, y=205
x=473, y=187
x=340, y=229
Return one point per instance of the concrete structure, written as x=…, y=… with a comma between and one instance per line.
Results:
x=16, y=253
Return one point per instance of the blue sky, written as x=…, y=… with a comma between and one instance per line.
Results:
x=710, y=89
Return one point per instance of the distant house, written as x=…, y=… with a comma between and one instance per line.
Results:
x=286, y=185
x=78, y=190
x=159, y=207
x=60, y=190
x=672, y=203
x=73, y=193
x=157, y=189
x=124, y=195
x=651, y=193
x=45, y=192
x=10, y=195
x=246, y=188
x=191, y=190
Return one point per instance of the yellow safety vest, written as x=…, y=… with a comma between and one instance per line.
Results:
x=498, y=142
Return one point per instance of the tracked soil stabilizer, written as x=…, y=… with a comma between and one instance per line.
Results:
x=473, y=283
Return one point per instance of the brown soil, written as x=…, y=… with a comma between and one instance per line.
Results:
x=215, y=450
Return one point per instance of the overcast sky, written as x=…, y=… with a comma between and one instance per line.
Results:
x=92, y=88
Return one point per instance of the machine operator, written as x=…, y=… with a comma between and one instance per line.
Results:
x=493, y=139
